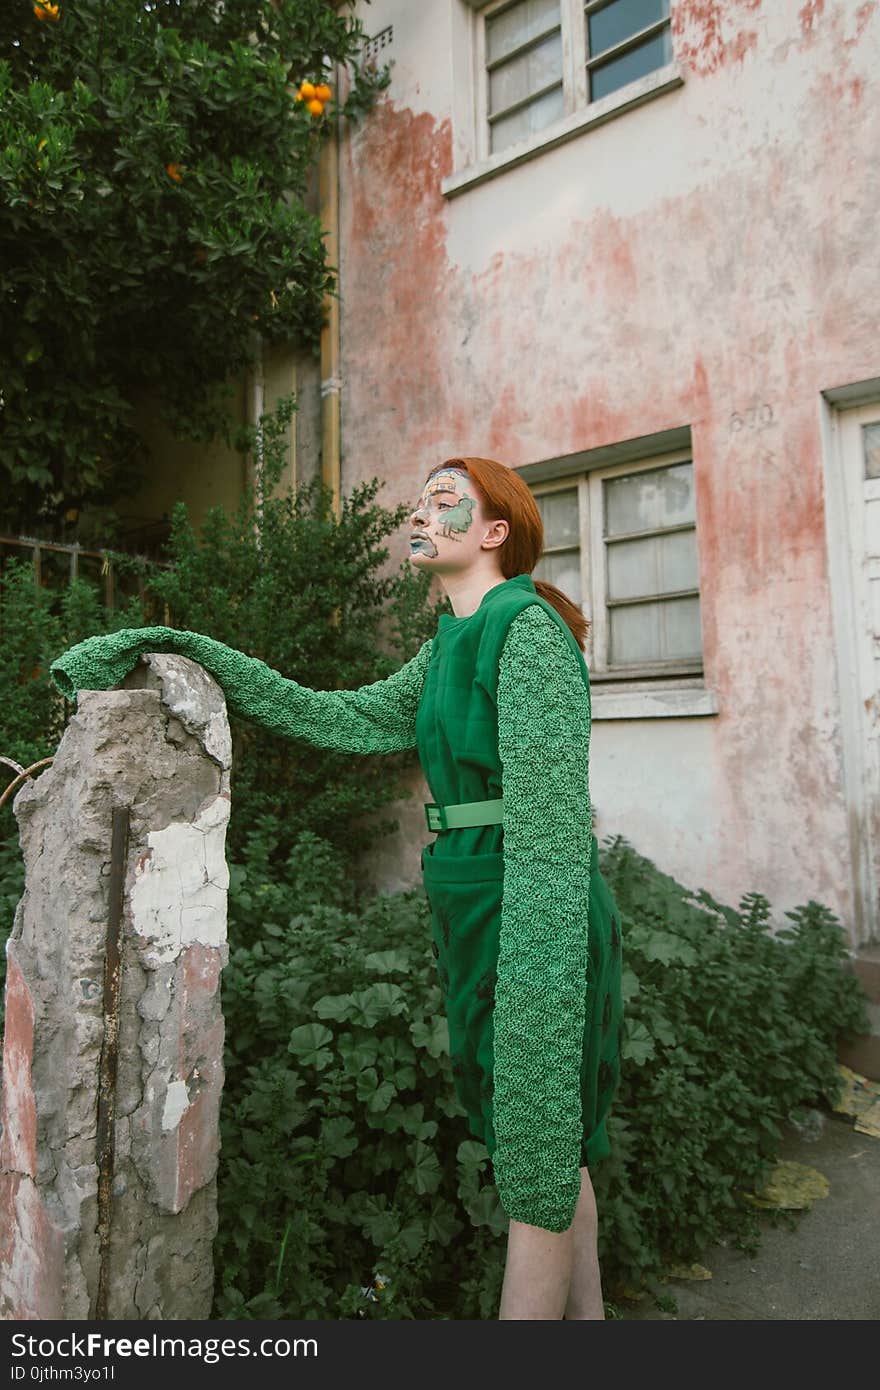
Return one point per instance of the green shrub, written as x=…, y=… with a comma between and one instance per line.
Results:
x=345, y=1153
x=36, y=624
x=284, y=579
x=303, y=591
x=729, y=1027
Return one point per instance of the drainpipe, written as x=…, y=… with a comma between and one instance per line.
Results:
x=331, y=384
x=256, y=392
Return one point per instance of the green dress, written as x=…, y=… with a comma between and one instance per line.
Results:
x=525, y=929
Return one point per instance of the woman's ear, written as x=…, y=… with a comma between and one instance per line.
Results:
x=496, y=533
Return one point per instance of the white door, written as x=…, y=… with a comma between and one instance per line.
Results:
x=859, y=461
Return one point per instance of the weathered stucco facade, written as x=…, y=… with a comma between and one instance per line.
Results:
x=700, y=267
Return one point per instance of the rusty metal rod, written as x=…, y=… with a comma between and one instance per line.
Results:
x=23, y=774
x=107, y=1068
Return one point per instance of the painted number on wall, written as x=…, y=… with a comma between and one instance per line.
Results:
x=757, y=417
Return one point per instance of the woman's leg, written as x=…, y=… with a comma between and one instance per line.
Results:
x=550, y=1275
x=537, y=1272
x=585, y=1293
x=554, y=1275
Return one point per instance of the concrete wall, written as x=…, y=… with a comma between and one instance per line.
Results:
x=708, y=253
x=211, y=475
x=179, y=469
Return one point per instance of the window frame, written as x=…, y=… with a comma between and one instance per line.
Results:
x=593, y=567
x=474, y=163
x=481, y=64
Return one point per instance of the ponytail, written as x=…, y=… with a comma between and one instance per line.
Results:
x=568, y=611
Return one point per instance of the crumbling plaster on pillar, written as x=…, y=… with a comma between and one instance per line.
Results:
x=190, y=694
x=160, y=744
x=179, y=892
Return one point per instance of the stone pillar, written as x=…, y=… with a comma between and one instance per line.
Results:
x=109, y=1209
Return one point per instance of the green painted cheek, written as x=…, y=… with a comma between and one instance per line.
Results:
x=456, y=521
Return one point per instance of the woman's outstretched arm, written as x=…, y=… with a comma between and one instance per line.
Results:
x=375, y=718
x=543, y=739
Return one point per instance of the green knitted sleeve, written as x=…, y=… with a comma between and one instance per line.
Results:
x=375, y=718
x=543, y=739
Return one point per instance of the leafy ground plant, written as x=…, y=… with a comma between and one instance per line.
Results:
x=349, y=1186
x=730, y=1026
x=348, y=1177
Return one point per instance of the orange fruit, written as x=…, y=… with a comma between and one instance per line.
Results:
x=306, y=90
x=316, y=107
x=323, y=92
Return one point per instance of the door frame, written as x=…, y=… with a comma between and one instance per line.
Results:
x=840, y=409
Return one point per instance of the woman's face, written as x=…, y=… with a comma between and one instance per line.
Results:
x=448, y=526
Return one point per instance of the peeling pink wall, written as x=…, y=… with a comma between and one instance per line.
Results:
x=709, y=253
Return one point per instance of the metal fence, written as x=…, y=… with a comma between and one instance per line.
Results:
x=59, y=562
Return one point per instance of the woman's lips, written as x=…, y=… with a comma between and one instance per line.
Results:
x=419, y=541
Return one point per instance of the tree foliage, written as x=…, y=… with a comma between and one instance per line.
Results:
x=155, y=165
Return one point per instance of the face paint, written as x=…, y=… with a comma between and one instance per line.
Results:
x=445, y=507
x=421, y=544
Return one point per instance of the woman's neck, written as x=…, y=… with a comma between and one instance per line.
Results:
x=467, y=591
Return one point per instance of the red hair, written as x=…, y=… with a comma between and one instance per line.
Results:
x=504, y=496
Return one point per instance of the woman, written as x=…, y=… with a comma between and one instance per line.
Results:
x=525, y=931
x=525, y=928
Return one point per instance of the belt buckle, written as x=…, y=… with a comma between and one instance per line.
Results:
x=435, y=816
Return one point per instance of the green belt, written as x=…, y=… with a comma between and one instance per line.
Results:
x=465, y=813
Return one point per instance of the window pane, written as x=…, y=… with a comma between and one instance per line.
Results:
x=667, y=631
x=681, y=621
x=620, y=20
x=647, y=500
x=871, y=439
x=517, y=25
x=528, y=73
x=653, y=53
x=559, y=511
x=634, y=634
x=562, y=570
x=527, y=120
x=656, y=565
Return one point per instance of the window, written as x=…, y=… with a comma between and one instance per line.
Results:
x=622, y=543
x=544, y=60
x=625, y=39
x=524, y=70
